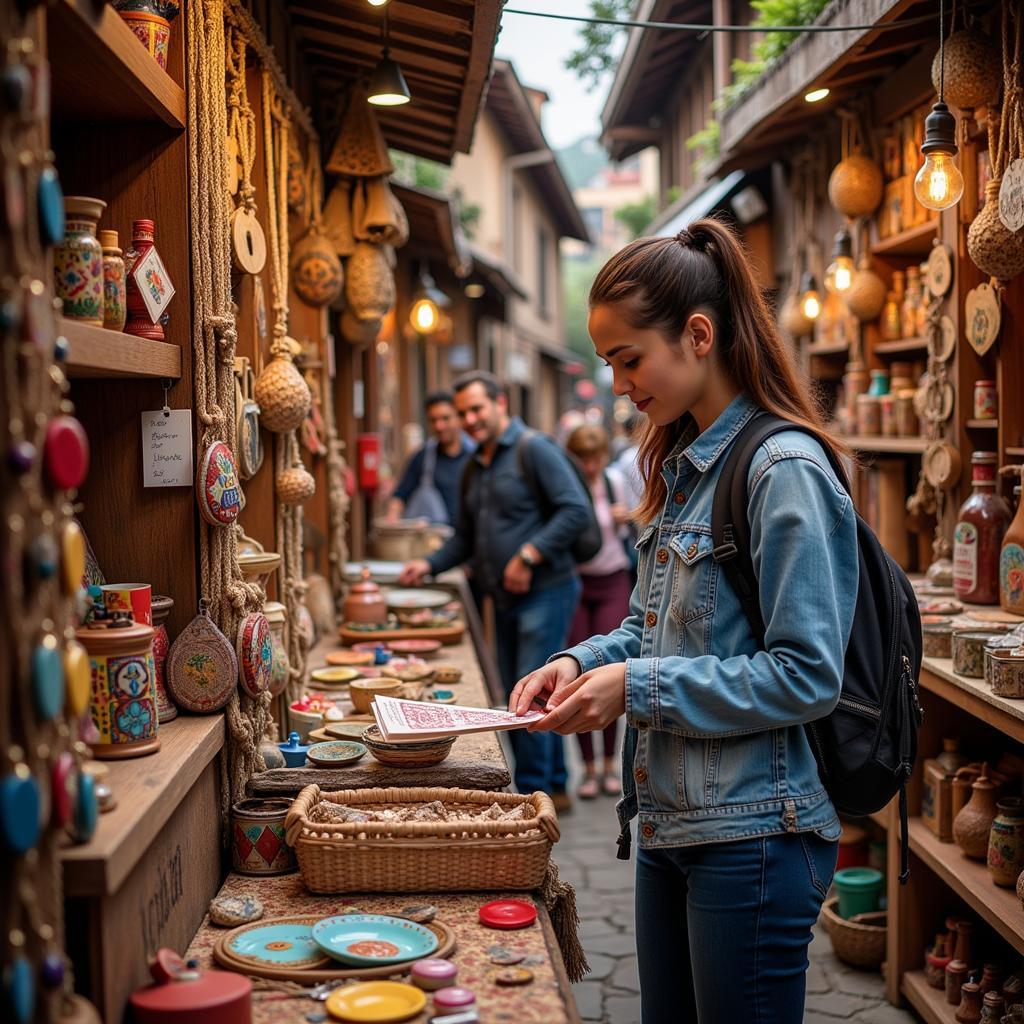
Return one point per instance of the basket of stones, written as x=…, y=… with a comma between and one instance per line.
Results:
x=423, y=839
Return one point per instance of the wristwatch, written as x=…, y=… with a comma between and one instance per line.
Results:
x=525, y=555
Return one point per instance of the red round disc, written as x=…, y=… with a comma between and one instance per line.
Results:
x=66, y=452
x=61, y=783
x=508, y=914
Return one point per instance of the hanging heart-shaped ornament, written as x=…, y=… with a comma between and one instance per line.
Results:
x=255, y=650
x=217, y=488
x=940, y=269
x=202, y=670
x=248, y=243
x=982, y=318
x=1011, y=196
x=942, y=340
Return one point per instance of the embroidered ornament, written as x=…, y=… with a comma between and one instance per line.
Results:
x=282, y=394
x=317, y=274
x=295, y=486
x=217, y=488
x=255, y=651
x=202, y=669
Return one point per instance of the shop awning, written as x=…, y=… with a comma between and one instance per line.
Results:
x=497, y=273
x=444, y=50
x=434, y=225
x=709, y=199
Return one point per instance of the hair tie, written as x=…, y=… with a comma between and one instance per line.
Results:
x=684, y=237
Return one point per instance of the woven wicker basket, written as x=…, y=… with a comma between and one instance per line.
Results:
x=859, y=942
x=421, y=856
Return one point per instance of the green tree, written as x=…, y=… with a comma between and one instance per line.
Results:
x=636, y=216
x=415, y=170
x=594, y=56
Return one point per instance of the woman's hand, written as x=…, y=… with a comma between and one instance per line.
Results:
x=541, y=685
x=587, y=704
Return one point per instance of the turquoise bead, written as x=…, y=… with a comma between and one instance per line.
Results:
x=50, y=203
x=87, y=809
x=47, y=679
x=20, y=810
x=20, y=989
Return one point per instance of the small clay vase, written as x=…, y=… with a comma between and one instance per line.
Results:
x=964, y=778
x=365, y=602
x=935, y=963
x=972, y=825
x=993, y=1006
x=956, y=975
x=964, y=950
x=1006, y=842
x=991, y=978
x=115, y=308
x=951, y=935
x=969, y=1010
x=161, y=645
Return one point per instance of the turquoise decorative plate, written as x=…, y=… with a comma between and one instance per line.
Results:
x=370, y=939
x=283, y=944
x=336, y=753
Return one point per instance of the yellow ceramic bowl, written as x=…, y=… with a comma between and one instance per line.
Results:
x=376, y=1001
x=362, y=691
x=334, y=675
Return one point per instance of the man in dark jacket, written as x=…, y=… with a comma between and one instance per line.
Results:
x=515, y=528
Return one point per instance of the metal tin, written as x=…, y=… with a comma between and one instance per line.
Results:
x=937, y=640
x=968, y=649
x=258, y=845
x=1007, y=673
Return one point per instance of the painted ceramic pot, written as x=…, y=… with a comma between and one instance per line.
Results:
x=161, y=645
x=972, y=825
x=1006, y=842
x=78, y=261
x=276, y=615
x=1006, y=670
x=139, y=321
x=115, y=299
x=122, y=697
x=150, y=20
x=258, y=845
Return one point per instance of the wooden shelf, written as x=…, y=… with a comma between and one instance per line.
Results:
x=891, y=445
x=1016, y=452
x=971, y=881
x=983, y=424
x=915, y=241
x=892, y=348
x=974, y=697
x=102, y=72
x=97, y=352
x=929, y=1002
x=148, y=791
x=828, y=348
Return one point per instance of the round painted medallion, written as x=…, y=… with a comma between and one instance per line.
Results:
x=255, y=650
x=217, y=487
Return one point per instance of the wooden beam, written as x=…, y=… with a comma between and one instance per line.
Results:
x=417, y=39
x=486, y=23
x=411, y=60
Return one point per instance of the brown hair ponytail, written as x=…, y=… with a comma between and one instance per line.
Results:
x=658, y=283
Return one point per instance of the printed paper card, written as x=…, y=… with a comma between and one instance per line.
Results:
x=154, y=284
x=421, y=720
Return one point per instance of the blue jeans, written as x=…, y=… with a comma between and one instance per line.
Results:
x=722, y=929
x=527, y=635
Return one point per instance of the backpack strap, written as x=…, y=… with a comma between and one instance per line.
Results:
x=730, y=522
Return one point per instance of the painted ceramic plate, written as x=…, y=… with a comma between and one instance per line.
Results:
x=417, y=598
x=415, y=646
x=282, y=944
x=373, y=939
x=334, y=675
x=349, y=658
x=376, y=1001
x=379, y=570
x=369, y=646
x=508, y=914
x=336, y=753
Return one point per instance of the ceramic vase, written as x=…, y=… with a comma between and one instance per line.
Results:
x=956, y=975
x=115, y=309
x=991, y=978
x=78, y=261
x=161, y=645
x=150, y=21
x=139, y=323
x=969, y=1010
x=1006, y=842
x=993, y=1007
x=258, y=845
x=964, y=950
x=122, y=699
x=972, y=825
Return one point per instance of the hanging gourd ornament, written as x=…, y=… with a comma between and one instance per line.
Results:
x=359, y=332
x=217, y=487
x=317, y=274
x=855, y=186
x=993, y=248
x=866, y=295
x=972, y=70
x=282, y=395
x=248, y=243
x=295, y=486
x=370, y=287
x=255, y=652
x=792, y=319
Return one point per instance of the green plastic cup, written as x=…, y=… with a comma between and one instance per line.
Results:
x=859, y=890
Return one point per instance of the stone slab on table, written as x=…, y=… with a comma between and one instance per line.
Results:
x=547, y=999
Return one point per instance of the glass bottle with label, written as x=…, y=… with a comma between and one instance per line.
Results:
x=980, y=527
x=891, y=329
x=1011, y=562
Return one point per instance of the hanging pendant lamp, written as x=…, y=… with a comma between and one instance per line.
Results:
x=387, y=84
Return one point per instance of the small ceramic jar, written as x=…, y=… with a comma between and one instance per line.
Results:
x=1006, y=842
x=1006, y=669
x=997, y=645
x=992, y=1008
x=433, y=974
x=887, y=407
x=869, y=416
x=986, y=401
x=937, y=640
x=968, y=647
x=258, y=845
x=956, y=975
x=365, y=602
x=453, y=998
x=969, y=1010
x=115, y=308
x=161, y=645
x=78, y=261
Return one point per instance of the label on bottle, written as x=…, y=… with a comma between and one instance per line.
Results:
x=1011, y=578
x=965, y=558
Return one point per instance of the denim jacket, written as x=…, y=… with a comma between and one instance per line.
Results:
x=715, y=747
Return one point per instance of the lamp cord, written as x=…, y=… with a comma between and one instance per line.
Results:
x=942, y=51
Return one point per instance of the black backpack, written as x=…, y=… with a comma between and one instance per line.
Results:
x=866, y=747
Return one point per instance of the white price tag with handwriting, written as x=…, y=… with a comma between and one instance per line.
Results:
x=167, y=448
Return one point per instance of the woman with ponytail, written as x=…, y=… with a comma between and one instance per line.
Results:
x=737, y=836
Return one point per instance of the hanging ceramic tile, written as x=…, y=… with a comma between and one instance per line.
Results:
x=982, y=318
x=255, y=652
x=202, y=670
x=217, y=488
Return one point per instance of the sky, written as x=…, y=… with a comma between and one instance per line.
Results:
x=538, y=47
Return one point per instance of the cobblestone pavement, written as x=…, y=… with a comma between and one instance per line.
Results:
x=604, y=890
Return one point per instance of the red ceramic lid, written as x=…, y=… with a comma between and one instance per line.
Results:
x=508, y=914
x=66, y=452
